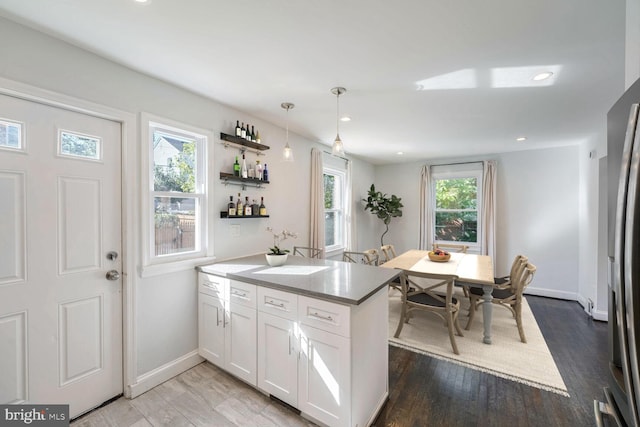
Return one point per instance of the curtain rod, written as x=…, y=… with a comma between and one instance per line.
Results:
x=459, y=163
x=340, y=157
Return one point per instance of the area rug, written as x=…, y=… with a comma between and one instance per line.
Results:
x=507, y=357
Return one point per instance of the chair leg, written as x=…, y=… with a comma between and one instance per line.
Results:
x=451, y=335
x=403, y=314
x=519, y=323
x=457, y=324
x=472, y=312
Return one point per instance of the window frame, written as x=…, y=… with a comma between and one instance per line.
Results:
x=340, y=244
x=160, y=264
x=459, y=173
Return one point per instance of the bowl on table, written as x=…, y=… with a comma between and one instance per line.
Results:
x=439, y=255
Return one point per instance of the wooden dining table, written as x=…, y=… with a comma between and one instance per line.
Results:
x=473, y=270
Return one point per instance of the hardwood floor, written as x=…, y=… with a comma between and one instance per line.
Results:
x=423, y=391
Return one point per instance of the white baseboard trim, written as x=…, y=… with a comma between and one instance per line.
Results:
x=600, y=315
x=551, y=293
x=165, y=372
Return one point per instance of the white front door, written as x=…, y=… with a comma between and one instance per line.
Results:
x=60, y=235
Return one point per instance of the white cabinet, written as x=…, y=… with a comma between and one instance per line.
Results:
x=327, y=359
x=227, y=325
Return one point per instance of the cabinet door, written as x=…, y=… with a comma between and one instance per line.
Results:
x=211, y=321
x=240, y=343
x=278, y=357
x=324, y=377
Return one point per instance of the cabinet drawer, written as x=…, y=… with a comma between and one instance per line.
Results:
x=278, y=303
x=213, y=285
x=324, y=315
x=242, y=293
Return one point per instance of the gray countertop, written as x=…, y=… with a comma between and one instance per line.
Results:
x=337, y=281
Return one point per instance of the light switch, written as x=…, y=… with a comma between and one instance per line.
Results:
x=235, y=230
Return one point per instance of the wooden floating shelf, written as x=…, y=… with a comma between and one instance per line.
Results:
x=243, y=142
x=225, y=176
x=225, y=215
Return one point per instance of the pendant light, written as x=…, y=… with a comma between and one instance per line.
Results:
x=338, y=147
x=287, y=153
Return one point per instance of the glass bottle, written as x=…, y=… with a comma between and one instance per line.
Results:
x=231, y=207
x=265, y=173
x=263, y=209
x=239, y=207
x=244, y=168
x=236, y=168
x=238, y=130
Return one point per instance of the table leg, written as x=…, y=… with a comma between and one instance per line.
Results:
x=487, y=313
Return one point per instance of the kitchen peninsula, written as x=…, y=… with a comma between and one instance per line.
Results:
x=312, y=333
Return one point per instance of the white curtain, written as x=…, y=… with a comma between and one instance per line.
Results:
x=488, y=219
x=426, y=209
x=348, y=210
x=316, y=220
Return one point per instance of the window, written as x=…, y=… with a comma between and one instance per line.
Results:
x=457, y=205
x=82, y=146
x=334, y=209
x=11, y=135
x=177, y=196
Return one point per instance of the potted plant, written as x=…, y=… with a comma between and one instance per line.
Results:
x=383, y=207
x=277, y=256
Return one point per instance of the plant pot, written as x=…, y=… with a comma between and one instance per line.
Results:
x=276, y=260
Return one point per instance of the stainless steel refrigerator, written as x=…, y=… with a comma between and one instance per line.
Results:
x=622, y=393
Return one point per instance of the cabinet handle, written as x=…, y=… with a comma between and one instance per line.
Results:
x=217, y=317
x=273, y=303
x=315, y=314
x=289, y=344
x=239, y=294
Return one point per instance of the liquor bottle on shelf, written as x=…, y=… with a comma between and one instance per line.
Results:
x=247, y=135
x=255, y=209
x=244, y=172
x=247, y=206
x=265, y=173
x=239, y=207
x=253, y=134
x=236, y=168
x=231, y=207
x=243, y=131
x=258, y=138
x=238, y=130
x=262, y=211
x=258, y=170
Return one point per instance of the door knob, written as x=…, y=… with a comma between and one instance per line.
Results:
x=113, y=275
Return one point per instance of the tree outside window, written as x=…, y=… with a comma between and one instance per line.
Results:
x=456, y=209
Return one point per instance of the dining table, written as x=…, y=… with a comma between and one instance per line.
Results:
x=473, y=270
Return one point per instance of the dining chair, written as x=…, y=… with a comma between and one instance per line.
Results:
x=508, y=295
x=307, y=252
x=369, y=257
x=451, y=247
x=420, y=292
x=388, y=251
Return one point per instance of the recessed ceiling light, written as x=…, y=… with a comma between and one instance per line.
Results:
x=400, y=153
x=521, y=138
x=542, y=76
x=345, y=119
x=142, y=1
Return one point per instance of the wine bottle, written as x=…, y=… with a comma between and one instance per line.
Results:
x=231, y=208
x=244, y=168
x=247, y=207
x=239, y=207
x=253, y=134
x=236, y=168
x=258, y=138
x=263, y=209
x=258, y=170
x=247, y=135
x=238, y=130
x=243, y=131
x=265, y=173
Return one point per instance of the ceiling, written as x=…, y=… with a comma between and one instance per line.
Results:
x=430, y=78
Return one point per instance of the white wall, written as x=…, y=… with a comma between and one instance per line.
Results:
x=537, y=213
x=165, y=315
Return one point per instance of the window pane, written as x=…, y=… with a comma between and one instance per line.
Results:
x=330, y=228
x=76, y=145
x=10, y=134
x=329, y=191
x=175, y=225
x=174, y=161
x=457, y=226
x=459, y=193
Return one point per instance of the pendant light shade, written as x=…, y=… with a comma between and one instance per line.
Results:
x=338, y=147
x=287, y=153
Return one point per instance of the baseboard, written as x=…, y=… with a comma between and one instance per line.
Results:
x=551, y=293
x=600, y=315
x=165, y=372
